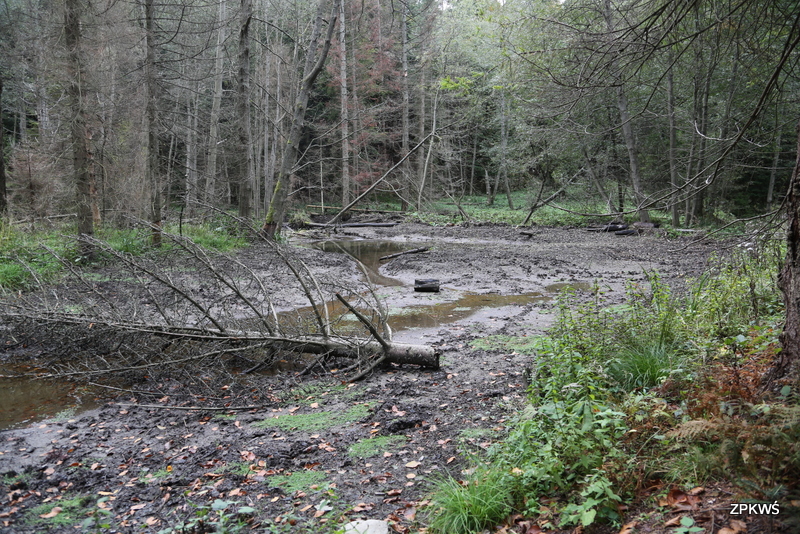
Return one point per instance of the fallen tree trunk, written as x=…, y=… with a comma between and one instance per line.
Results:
x=343, y=347
x=412, y=251
x=352, y=225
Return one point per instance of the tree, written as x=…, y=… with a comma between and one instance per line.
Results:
x=3, y=191
x=314, y=61
x=78, y=133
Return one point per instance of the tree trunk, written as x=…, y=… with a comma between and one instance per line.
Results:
x=788, y=362
x=3, y=190
x=278, y=205
x=246, y=168
x=776, y=158
x=78, y=133
x=216, y=105
x=406, y=121
x=345, y=117
x=627, y=130
x=152, y=178
x=673, y=147
x=192, y=105
x=504, y=146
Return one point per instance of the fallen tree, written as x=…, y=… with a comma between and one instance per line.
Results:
x=204, y=307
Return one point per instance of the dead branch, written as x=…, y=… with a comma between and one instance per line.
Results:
x=397, y=255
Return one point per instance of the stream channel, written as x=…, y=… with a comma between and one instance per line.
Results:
x=24, y=401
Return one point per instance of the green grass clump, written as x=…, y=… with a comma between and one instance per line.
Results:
x=368, y=448
x=464, y=507
x=298, y=481
x=645, y=364
x=504, y=343
x=311, y=422
x=72, y=512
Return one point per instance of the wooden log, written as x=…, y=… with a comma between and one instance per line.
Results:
x=361, y=210
x=426, y=285
x=412, y=251
x=352, y=225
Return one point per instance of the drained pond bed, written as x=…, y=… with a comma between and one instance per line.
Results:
x=311, y=451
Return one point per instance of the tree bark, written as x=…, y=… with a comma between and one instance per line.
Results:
x=3, y=190
x=313, y=65
x=788, y=361
x=151, y=162
x=627, y=130
x=673, y=147
x=344, y=104
x=247, y=166
x=78, y=133
x=216, y=105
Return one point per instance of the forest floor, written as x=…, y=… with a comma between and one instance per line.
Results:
x=318, y=450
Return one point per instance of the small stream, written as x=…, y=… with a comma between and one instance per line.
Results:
x=23, y=401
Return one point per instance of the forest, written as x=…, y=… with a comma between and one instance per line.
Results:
x=116, y=109
x=454, y=267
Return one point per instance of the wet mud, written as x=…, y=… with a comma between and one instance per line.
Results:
x=156, y=458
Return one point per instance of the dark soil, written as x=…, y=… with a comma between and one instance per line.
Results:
x=156, y=457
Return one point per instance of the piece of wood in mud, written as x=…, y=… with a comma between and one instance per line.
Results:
x=412, y=251
x=352, y=225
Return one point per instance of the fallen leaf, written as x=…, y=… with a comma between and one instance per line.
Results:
x=52, y=513
x=627, y=528
x=413, y=464
x=674, y=521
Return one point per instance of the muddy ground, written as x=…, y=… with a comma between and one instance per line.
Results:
x=301, y=455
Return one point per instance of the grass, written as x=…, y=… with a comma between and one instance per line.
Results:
x=315, y=421
x=24, y=260
x=72, y=511
x=304, y=480
x=662, y=386
x=376, y=446
x=464, y=507
x=645, y=364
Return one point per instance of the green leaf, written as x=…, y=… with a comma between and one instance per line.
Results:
x=219, y=504
x=587, y=517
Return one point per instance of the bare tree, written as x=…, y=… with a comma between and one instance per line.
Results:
x=315, y=59
x=78, y=133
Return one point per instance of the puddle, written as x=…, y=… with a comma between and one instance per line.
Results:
x=368, y=252
x=26, y=401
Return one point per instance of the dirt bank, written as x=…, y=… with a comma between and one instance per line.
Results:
x=310, y=450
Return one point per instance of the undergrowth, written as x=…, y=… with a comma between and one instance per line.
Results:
x=28, y=258
x=618, y=392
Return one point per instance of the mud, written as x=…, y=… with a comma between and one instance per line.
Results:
x=157, y=452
